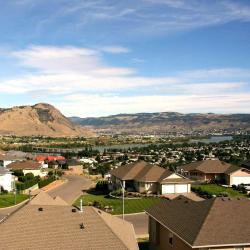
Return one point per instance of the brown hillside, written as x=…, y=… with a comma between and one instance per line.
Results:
x=40, y=119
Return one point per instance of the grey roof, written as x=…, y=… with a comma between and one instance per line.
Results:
x=213, y=222
x=57, y=226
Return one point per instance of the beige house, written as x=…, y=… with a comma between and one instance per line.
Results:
x=183, y=224
x=216, y=170
x=33, y=167
x=50, y=223
x=143, y=177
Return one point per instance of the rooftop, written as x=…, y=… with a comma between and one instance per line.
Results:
x=141, y=171
x=208, y=166
x=213, y=222
x=47, y=223
x=24, y=165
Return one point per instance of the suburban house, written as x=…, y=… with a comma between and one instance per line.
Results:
x=50, y=223
x=6, y=179
x=145, y=177
x=216, y=170
x=28, y=167
x=183, y=224
x=7, y=159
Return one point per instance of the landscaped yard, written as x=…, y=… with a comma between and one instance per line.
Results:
x=217, y=190
x=131, y=206
x=7, y=200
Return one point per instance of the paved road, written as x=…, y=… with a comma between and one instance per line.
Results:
x=140, y=222
x=72, y=189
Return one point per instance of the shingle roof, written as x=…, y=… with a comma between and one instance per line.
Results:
x=61, y=227
x=44, y=198
x=213, y=222
x=207, y=166
x=24, y=165
x=141, y=171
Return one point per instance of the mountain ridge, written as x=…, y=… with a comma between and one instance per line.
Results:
x=166, y=122
x=39, y=119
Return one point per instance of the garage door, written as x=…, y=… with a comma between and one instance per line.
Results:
x=168, y=189
x=239, y=180
x=181, y=188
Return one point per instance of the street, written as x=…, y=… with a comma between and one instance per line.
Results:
x=72, y=189
x=140, y=223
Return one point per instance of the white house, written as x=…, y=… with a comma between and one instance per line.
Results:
x=6, y=179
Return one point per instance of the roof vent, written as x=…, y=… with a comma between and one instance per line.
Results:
x=73, y=210
x=40, y=209
x=81, y=226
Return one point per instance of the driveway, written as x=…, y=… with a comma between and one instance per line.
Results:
x=140, y=223
x=72, y=189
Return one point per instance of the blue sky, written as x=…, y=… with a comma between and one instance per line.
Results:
x=97, y=57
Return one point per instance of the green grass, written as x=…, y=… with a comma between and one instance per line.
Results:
x=7, y=200
x=131, y=206
x=214, y=189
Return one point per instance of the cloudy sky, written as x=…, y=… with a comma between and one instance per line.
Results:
x=101, y=57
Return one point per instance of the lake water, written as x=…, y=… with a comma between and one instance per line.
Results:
x=212, y=139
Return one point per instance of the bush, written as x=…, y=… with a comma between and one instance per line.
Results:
x=97, y=204
x=45, y=182
x=101, y=186
x=25, y=185
x=224, y=194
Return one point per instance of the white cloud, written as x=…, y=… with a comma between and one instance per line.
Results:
x=98, y=105
x=115, y=49
x=75, y=74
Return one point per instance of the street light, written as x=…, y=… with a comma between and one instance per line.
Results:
x=123, y=197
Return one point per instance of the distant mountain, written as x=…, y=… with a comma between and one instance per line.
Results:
x=166, y=122
x=40, y=119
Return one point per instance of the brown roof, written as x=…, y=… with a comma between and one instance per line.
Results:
x=213, y=222
x=141, y=171
x=233, y=169
x=24, y=165
x=44, y=199
x=207, y=166
x=57, y=226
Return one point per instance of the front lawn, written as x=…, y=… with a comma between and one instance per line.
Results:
x=131, y=206
x=213, y=189
x=7, y=200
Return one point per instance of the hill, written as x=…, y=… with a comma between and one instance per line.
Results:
x=40, y=119
x=163, y=122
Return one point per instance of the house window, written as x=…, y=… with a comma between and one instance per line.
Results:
x=170, y=239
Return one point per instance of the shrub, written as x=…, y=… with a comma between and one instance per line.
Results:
x=102, y=186
x=45, y=182
x=224, y=194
